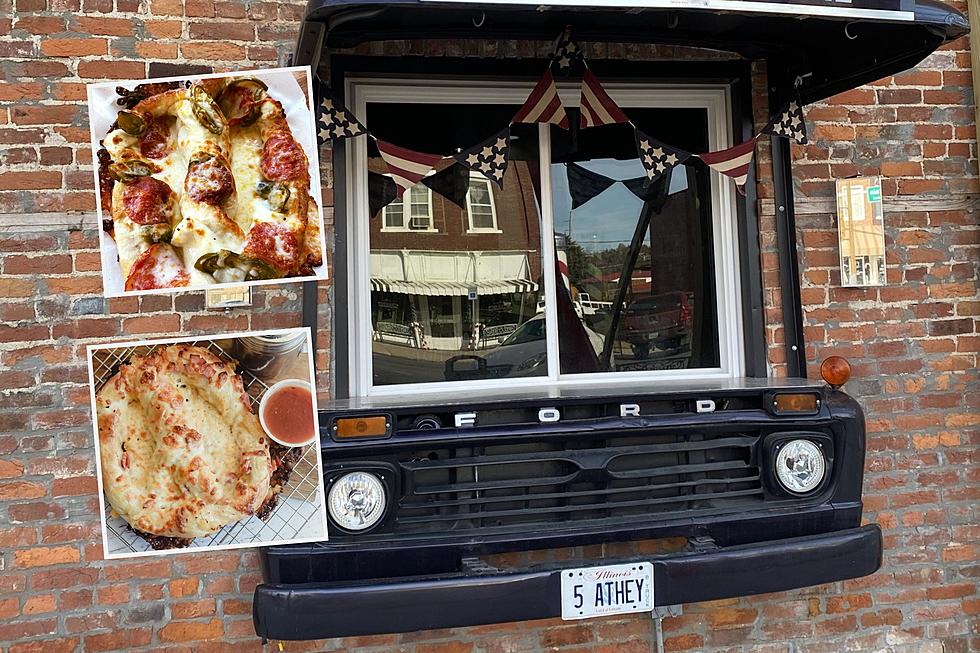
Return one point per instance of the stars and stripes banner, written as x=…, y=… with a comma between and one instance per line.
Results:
x=789, y=123
x=596, y=106
x=452, y=182
x=489, y=158
x=657, y=157
x=406, y=167
x=733, y=162
x=567, y=54
x=543, y=105
x=335, y=122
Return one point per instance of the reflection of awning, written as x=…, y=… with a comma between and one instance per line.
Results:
x=831, y=46
x=453, y=288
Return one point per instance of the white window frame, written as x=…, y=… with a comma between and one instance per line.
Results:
x=407, y=216
x=475, y=176
x=715, y=99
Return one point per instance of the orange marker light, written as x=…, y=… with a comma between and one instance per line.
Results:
x=796, y=403
x=360, y=427
x=836, y=371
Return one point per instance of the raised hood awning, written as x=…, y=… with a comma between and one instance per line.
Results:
x=831, y=45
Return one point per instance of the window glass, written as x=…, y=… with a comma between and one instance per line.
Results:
x=480, y=205
x=453, y=279
x=636, y=285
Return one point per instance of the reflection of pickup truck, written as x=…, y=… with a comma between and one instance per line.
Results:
x=658, y=321
x=584, y=305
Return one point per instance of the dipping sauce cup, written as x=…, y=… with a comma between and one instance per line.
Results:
x=286, y=413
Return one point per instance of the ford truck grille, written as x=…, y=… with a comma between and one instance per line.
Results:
x=557, y=483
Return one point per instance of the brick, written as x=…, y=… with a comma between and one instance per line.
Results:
x=43, y=557
x=31, y=180
x=103, y=26
x=115, y=69
x=189, y=631
x=156, y=324
x=118, y=640
x=41, y=24
x=49, y=645
x=74, y=47
x=19, y=490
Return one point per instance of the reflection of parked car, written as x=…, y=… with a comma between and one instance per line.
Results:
x=522, y=353
x=658, y=321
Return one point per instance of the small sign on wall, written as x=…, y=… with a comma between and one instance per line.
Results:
x=861, y=232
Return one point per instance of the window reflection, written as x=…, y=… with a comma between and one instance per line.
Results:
x=456, y=263
x=636, y=289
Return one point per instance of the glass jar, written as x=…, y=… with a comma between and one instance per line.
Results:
x=265, y=355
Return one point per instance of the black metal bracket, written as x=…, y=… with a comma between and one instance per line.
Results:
x=789, y=264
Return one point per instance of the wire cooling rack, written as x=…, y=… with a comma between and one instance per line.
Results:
x=297, y=513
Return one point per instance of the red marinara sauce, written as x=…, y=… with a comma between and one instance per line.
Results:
x=289, y=414
x=282, y=158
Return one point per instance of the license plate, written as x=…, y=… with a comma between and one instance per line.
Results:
x=611, y=589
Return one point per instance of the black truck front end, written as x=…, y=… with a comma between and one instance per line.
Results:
x=458, y=483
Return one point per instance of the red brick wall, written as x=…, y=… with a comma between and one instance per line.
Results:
x=913, y=345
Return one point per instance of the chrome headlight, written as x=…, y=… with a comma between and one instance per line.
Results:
x=357, y=501
x=800, y=466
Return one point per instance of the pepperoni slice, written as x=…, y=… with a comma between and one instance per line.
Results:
x=148, y=201
x=154, y=141
x=282, y=158
x=157, y=267
x=209, y=181
x=275, y=244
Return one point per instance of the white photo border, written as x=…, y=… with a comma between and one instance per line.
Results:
x=315, y=183
x=91, y=349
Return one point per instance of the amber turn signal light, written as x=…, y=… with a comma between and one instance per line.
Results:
x=836, y=371
x=799, y=403
x=348, y=428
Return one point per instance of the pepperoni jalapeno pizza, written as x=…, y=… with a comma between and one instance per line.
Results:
x=205, y=184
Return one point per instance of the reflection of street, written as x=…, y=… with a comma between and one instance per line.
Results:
x=390, y=368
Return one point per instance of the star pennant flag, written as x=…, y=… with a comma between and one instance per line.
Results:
x=583, y=184
x=566, y=54
x=335, y=122
x=407, y=167
x=597, y=107
x=489, y=158
x=656, y=157
x=788, y=123
x=453, y=183
x=733, y=162
x=543, y=104
x=382, y=191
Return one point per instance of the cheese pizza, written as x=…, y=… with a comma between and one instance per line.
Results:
x=206, y=184
x=181, y=451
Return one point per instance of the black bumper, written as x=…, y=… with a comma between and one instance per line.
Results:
x=324, y=610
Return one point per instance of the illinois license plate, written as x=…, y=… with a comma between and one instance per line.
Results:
x=612, y=589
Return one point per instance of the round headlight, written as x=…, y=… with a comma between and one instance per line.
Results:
x=356, y=501
x=800, y=466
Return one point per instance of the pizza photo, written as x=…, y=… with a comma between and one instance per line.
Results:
x=207, y=180
x=198, y=447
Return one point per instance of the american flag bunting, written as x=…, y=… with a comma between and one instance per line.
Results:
x=489, y=158
x=335, y=122
x=406, y=167
x=543, y=104
x=733, y=162
x=657, y=157
x=567, y=53
x=789, y=123
x=596, y=105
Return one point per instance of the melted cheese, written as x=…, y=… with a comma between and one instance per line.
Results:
x=200, y=228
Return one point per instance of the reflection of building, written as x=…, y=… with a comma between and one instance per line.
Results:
x=450, y=278
x=862, y=232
